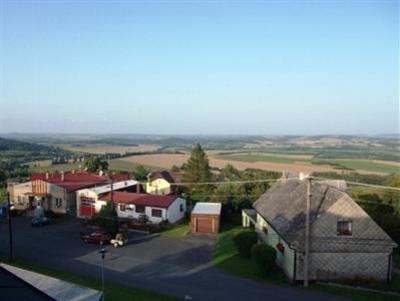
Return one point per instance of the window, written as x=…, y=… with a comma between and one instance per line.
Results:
x=344, y=228
x=181, y=207
x=58, y=202
x=122, y=207
x=140, y=208
x=156, y=213
x=265, y=229
x=129, y=208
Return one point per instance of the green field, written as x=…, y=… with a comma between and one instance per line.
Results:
x=347, y=164
x=249, y=157
x=114, y=164
x=361, y=165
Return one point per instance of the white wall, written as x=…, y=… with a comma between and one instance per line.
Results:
x=133, y=214
x=174, y=213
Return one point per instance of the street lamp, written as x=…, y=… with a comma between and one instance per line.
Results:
x=103, y=252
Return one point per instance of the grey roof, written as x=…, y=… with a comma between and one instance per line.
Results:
x=54, y=288
x=283, y=206
x=207, y=208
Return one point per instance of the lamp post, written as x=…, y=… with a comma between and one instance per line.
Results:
x=103, y=252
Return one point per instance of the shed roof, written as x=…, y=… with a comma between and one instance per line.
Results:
x=207, y=208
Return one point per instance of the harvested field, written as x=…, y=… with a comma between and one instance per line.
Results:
x=167, y=160
x=102, y=149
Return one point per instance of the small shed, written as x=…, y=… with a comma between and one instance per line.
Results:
x=205, y=218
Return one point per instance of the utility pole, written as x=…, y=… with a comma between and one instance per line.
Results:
x=9, y=225
x=112, y=194
x=103, y=255
x=307, y=233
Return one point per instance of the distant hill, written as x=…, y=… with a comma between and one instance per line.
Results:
x=16, y=145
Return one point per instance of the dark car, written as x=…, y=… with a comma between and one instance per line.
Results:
x=39, y=221
x=100, y=238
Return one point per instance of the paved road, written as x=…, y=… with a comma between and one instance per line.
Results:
x=174, y=266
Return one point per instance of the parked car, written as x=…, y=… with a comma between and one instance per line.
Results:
x=100, y=238
x=119, y=241
x=38, y=221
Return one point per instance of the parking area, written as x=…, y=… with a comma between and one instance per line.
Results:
x=174, y=266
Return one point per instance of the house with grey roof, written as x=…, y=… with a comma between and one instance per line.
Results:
x=345, y=242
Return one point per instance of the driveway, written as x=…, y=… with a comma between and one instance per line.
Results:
x=174, y=266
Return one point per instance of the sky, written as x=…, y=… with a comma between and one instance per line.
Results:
x=200, y=67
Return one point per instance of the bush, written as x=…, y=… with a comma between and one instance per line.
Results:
x=264, y=256
x=244, y=241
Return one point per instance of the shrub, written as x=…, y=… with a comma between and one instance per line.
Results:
x=264, y=256
x=244, y=241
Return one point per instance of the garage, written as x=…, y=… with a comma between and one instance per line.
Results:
x=205, y=218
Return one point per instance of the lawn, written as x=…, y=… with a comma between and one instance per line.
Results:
x=227, y=260
x=180, y=230
x=114, y=291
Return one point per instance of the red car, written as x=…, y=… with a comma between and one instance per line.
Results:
x=100, y=238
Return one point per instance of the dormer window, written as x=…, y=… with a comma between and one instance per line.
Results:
x=344, y=228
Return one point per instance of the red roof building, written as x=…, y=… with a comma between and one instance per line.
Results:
x=162, y=201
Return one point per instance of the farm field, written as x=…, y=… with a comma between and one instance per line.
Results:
x=361, y=166
x=114, y=164
x=242, y=161
x=167, y=160
x=106, y=148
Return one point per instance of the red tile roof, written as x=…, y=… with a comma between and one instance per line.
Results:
x=72, y=180
x=162, y=201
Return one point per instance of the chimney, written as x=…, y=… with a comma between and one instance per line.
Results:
x=73, y=171
x=62, y=176
x=284, y=177
x=47, y=175
x=100, y=173
x=138, y=187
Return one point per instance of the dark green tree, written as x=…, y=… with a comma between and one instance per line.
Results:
x=3, y=177
x=95, y=164
x=141, y=173
x=106, y=219
x=197, y=169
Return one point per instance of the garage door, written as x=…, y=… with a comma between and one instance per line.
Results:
x=204, y=225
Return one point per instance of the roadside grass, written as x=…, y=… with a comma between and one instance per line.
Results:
x=113, y=291
x=227, y=260
x=180, y=230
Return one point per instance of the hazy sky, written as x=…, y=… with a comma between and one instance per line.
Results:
x=200, y=67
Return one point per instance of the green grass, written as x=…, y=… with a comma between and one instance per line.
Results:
x=360, y=165
x=249, y=157
x=177, y=231
x=353, y=294
x=227, y=259
x=114, y=291
x=113, y=164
